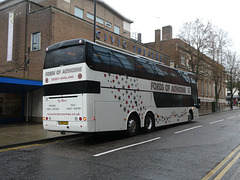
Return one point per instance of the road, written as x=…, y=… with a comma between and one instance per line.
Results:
x=207, y=148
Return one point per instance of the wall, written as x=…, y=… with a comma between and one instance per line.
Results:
x=15, y=67
x=39, y=21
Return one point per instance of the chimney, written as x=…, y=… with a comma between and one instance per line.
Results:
x=139, y=37
x=166, y=33
x=157, y=35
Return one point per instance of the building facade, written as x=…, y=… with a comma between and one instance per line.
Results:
x=180, y=58
x=29, y=27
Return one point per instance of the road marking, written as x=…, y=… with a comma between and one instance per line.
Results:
x=216, y=121
x=125, y=147
x=188, y=129
x=220, y=165
x=231, y=117
x=20, y=147
x=225, y=170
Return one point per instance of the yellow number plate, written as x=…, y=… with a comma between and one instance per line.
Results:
x=62, y=122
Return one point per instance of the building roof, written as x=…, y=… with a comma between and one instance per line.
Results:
x=102, y=2
x=107, y=6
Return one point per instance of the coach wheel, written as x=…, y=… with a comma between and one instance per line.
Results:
x=132, y=126
x=190, y=116
x=149, y=123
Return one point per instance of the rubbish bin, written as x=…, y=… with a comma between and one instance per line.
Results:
x=213, y=106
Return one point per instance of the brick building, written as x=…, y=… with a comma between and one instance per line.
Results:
x=178, y=51
x=28, y=27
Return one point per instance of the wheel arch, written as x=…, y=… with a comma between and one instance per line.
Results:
x=136, y=115
x=191, y=112
x=149, y=112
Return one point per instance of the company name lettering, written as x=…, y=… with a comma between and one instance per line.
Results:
x=170, y=88
x=64, y=71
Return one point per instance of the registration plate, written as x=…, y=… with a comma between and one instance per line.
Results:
x=62, y=122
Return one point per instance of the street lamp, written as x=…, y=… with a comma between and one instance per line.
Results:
x=94, y=25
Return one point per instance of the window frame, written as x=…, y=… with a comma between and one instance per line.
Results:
x=115, y=28
x=38, y=42
x=77, y=8
x=108, y=24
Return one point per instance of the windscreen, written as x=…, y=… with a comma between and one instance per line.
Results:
x=64, y=56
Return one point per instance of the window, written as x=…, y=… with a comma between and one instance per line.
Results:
x=210, y=87
x=90, y=16
x=99, y=20
x=116, y=30
x=182, y=59
x=202, y=88
x=124, y=60
x=144, y=69
x=108, y=24
x=206, y=88
x=78, y=12
x=36, y=41
x=64, y=56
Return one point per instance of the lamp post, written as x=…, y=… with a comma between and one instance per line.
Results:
x=94, y=25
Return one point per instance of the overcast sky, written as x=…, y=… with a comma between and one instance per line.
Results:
x=149, y=15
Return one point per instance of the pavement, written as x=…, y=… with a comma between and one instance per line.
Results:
x=16, y=134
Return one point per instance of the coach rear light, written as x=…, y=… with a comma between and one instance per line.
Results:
x=84, y=118
x=80, y=118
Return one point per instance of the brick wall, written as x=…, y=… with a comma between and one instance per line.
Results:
x=13, y=68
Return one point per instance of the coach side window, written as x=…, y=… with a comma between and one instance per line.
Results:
x=126, y=62
x=161, y=73
x=99, y=57
x=185, y=77
x=175, y=77
x=144, y=69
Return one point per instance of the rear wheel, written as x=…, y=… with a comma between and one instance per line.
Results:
x=149, y=123
x=132, y=126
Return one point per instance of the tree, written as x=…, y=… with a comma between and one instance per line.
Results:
x=232, y=70
x=217, y=48
x=196, y=35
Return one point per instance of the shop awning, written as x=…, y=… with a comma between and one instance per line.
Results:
x=13, y=85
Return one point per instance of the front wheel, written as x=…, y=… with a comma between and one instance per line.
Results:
x=132, y=126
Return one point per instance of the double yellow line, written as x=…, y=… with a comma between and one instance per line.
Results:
x=20, y=147
x=221, y=164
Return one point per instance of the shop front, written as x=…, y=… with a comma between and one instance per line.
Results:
x=14, y=101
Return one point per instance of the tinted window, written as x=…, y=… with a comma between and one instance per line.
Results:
x=102, y=59
x=175, y=77
x=172, y=100
x=98, y=58
x=185, y=77
x=64, y=56
x=144, y=69
x=192, y=78
x=161, y=73
x=124, y=60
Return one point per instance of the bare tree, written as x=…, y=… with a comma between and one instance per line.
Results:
x=196, y=35
x=218, y=44
x=232, y=70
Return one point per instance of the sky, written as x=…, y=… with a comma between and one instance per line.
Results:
x=149, y=15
